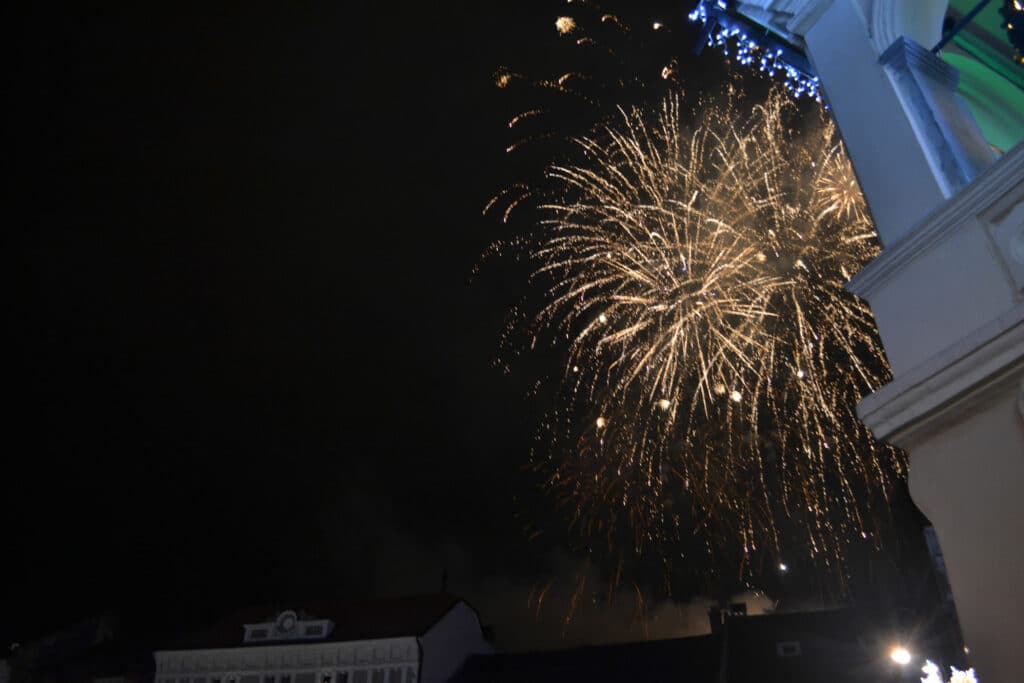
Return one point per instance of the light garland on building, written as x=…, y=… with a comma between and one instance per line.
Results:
x=731, y=35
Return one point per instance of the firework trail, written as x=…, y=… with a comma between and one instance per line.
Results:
x=713, y=360
x=690, y=258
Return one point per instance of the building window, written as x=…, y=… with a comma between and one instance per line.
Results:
x=395, y=676
x=788, y=648
x=378, y=676
x=315, y=630
x=359, y=676
x=341, y=677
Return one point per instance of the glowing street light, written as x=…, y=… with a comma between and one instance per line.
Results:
x=783, y=567
x=900, y=655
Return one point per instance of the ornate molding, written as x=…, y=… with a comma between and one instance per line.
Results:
x=791, y=19
x=946, y=131
x=1004, y=224
x=909, y=55
x=956, y=213
x=949, y=381
x=919, y=20
x=885, y=20
x=807, y=16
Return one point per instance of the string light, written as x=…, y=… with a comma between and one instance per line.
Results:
x=729, y=34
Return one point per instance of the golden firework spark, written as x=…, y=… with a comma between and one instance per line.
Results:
x=697, y=275
x=504, y=76
x=565, y=25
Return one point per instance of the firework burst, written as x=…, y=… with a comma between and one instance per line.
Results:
x=565, y=25
x=713, y=359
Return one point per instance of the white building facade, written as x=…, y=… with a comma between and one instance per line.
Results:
x=947, y=290
x=294, y=648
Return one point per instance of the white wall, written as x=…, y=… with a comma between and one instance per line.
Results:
x=450, y=643
x=968, y=478
x=313, y=660
x=949, y=302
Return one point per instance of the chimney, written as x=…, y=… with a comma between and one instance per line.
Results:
x=715, y=617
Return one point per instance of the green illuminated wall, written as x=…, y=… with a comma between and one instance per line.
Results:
x=990, y=83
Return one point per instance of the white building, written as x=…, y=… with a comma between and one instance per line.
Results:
x=410, y=640
x=947, y=290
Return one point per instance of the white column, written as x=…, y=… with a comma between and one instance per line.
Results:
x=909, y=137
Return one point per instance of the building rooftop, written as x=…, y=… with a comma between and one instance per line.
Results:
x=685, y=660
x=349, y=621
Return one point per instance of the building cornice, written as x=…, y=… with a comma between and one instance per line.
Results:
x=949, y=381
x=997, y=180
x=807, y=16
x=906, y=54
x=287, y=646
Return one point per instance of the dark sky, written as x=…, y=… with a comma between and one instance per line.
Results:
x=246, y=362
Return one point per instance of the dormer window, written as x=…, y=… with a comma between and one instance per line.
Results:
x=288, y=626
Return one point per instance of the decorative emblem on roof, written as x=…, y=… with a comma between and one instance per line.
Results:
x=286, y=621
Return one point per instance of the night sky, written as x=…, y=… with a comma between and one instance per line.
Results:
x=247, y=361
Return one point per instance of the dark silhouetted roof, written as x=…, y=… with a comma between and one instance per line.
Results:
x=834, y=645
x=362, y=620
x=686, y=660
